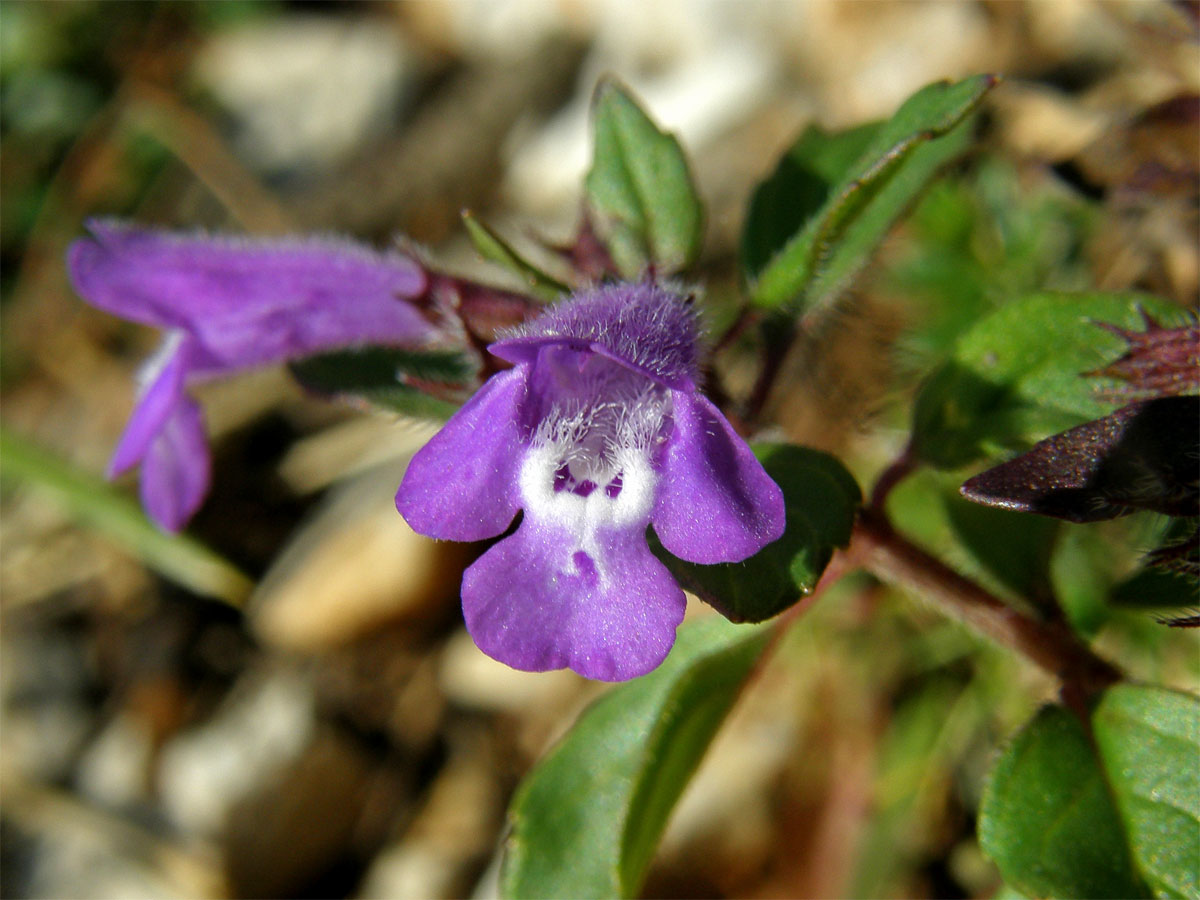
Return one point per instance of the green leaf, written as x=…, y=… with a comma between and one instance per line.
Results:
x=420, y=383
x=1014, y=547
x=822, y=499
x=1047, y=818
x=1016, y=375
x=639, y=191
x=1082, y=571
x=978, y=241
x=866, y=198
x=115, y=515
x=798, y=188
x=493, y=248
x=1007, y=892
x=585, y=821
x=1157, y=589
x=1149, y=740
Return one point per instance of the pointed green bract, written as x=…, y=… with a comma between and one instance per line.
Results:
x=861, y=201
x=821, y=499
x=639, y=191
x=1149, y=741
x=495, y=249
x=586, y=820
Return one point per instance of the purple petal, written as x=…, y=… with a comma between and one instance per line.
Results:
x=462, y=485
x=535, y=601
x=715, y=502
x=249, y=302
x=161, y=396
x=175, y=471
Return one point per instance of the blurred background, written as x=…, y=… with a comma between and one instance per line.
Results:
x=285, y=704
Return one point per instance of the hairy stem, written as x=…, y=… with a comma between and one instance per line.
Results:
x=774, y=352
x=879, y=549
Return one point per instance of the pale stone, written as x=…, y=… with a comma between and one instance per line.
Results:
x=353, y=567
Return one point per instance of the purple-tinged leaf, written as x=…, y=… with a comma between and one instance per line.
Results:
x=1181, y=557
x=1160, y=362
x=1143, y=456
x=482, y=310
x=587, y=254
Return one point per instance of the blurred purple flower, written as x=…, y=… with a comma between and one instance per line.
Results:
x=596, y=432
x=228, y=304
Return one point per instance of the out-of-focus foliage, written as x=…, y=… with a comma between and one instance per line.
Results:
x=991, y=235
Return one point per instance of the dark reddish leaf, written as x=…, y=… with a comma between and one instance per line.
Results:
x=1182, y=622
x=1165, y=143
x=1181, y=557
x=482, y=310
x=1154, y=154
x=1160, y=362
x=587, y=255
x=1143, y=456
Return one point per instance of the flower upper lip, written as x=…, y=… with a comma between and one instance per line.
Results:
x=229, y=304
x=524, y=350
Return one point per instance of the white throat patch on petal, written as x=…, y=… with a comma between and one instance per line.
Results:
x=590, y=467
x=149, y=370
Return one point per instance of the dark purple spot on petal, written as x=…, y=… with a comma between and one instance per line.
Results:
x=613, y=488
x=584, y=487
x=585, y=566
x=562, y=478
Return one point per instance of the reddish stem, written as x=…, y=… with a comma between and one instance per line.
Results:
x=879, y=549
x=903, y=466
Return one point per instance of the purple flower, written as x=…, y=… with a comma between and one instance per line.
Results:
x=597, y=431
x=228, y=304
